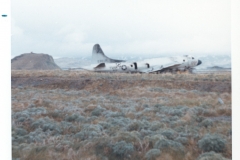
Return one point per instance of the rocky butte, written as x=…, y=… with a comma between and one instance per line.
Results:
x=33, y=61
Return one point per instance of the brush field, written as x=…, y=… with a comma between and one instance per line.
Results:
x=72, y=115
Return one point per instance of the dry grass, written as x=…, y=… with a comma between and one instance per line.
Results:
x=219, y=77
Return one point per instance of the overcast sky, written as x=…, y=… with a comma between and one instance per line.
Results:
x=133, y=27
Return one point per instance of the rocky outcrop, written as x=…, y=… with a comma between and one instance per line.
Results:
x=33, y=61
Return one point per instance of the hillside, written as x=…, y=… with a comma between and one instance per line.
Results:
x=33, y=61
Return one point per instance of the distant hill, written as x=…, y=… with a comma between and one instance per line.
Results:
x=33, y=61
x=67, y=62
x=215, y=67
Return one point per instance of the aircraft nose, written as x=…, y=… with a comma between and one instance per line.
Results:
x=199, y=62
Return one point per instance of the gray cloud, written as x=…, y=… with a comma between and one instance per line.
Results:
x=71, y=28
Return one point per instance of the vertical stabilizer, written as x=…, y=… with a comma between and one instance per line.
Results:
x=99, y=57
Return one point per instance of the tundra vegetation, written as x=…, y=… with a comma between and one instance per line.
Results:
x=103, y=116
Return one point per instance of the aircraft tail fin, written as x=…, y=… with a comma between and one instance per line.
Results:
x=99, y=57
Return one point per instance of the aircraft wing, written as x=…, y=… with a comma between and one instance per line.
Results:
x=160, y=67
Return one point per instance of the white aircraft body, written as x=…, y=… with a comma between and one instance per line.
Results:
x=101, y=63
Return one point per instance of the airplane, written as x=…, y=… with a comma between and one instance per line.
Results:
x=101, y=63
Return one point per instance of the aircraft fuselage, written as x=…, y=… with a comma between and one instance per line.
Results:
x=102, y=63
x=147, y=65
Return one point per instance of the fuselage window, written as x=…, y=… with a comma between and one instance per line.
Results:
x=192, y=58
x=184, y=60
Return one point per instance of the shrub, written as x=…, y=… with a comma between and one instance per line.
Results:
x=114, y=114
x=47, y=124
x=75, y=118
x=37, y=136
x=103, y=146
x=105, y=125
x=169, y=134
x=229, y=133
x=206, y=123
x=121, y=121
x=113, y=98
x=175, y=124
x=161, y=115
x=158, y=106
x=145, y=124
x=209, y=112
x=198, y=110
x=158, y=89
x=145, y=132
x=38, y=153
x=183, y=90
x=56, y=114
x=128, y=110
x=152, y=154
x=83, y=135
x=19, y=139
x=20, y=131
x=145, y=105
x=174, y=118
x=213, y=142
x=199, y=119
x=164, y=144
x=153, y=139
x=31, y=106
x=92, y=127
x=173, y=111
x=37, y=123
x=97, y=111
x=25, y=115
x=36, y=111
x=22, y=116
x=46, y=103
x=121, y=149
x=130, y=137
x=67, y=126
x=177, y=111
x=156, y=126
x=70, y=109
x=186, y=131
x=90, y=119
x=51, y=127
x=180, y=129
x=165, y=120
x=134, y=126
x=211, y=155
x=182, y=140
x=89, y=131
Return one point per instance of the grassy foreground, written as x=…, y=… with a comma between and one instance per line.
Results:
x=83, y=115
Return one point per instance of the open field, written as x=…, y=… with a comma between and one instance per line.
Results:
x=98, y=116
